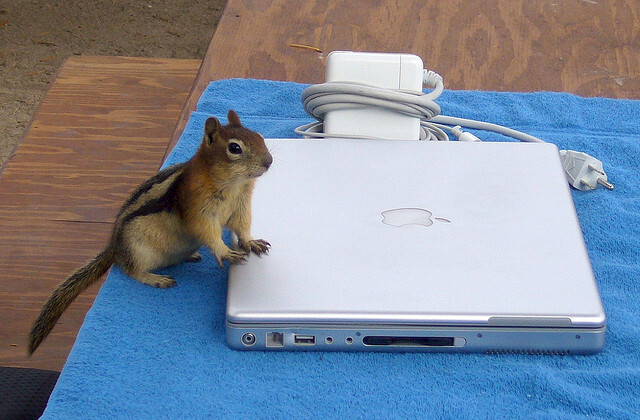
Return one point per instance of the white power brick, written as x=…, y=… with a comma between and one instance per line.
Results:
x=388, y=71
x=379, y=95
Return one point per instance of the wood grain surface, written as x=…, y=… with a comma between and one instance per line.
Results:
x=586, y=47
x=36, y=256
x=101, y=129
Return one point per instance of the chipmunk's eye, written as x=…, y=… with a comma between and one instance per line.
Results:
x=234, y=148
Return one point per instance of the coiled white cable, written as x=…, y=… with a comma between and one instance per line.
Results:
x=331, y=96
x=583, y=172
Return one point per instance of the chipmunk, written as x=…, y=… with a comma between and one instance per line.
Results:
x=171, y=215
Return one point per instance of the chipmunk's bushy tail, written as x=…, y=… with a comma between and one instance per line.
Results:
x=65, y=293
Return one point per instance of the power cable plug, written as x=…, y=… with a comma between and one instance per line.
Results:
x=463, y=135
x=584, y=172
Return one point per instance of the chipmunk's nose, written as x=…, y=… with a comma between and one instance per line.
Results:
x=267, y=160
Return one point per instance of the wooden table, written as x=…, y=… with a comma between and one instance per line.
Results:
x=106, y=122
x=590, y=48
x=101, y=129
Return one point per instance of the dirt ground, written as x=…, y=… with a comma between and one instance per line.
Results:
x=37, y=35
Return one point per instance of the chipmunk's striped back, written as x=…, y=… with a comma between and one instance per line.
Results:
x=155, y=194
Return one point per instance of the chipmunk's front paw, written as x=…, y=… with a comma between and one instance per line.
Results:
x=257, y=246
x=234, y=257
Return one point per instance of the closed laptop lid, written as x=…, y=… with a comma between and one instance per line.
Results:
x=411, y=232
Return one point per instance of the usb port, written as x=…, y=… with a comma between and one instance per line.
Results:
x=304, y=340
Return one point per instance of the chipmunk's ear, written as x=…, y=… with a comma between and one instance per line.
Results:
x=233, y=118
x=211, y=128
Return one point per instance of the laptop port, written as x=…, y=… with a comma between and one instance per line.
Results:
x=248, y=339
x=304, y=340
x=275, y=339
x=409, y=341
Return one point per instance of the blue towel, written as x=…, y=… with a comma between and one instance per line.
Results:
x=153, y=353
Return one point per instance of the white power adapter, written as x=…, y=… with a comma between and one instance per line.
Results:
x=385, y=71
x=379, y=95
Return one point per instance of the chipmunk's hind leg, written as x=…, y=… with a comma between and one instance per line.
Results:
x=154, y=280
x=138, y=265
x=195, y=257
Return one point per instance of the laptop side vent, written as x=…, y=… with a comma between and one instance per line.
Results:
x=530, y=352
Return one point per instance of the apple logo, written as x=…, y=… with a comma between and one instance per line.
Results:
x=410, y=216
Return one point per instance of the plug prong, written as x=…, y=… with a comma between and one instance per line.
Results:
x=593, y=168
x=586, y=184
x=605, y=183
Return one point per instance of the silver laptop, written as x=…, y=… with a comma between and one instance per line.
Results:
x=384, y=245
